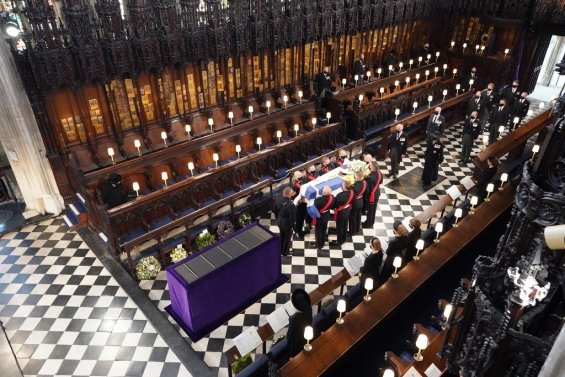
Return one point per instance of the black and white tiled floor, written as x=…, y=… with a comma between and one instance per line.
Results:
x=306, y=268
x=65, y=314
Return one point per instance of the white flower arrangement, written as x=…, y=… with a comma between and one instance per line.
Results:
x=147, y=268
x=178, y=254
x=357, y=165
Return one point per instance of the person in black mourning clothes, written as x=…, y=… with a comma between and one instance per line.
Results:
x=487, y=174
x=112, y=192
x=323, y=204
x=390, y=59
x=285, y=211
x=342, y=208
x=434, y=128
x=471, y=131
x=351, y=122
x=359, y=69
x=511, y=93
x=298, y=322
x=372, y=263
x=397, y=146
x=360, y=188
x=372, y=193
x=433, y=157
x=520, y=110
x=396, y=247
x=498, y=117
x=489, y=98
x=413, y=237
x=324, y=83
x=474, y=103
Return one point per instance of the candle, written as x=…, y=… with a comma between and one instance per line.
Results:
x=471, y=82
x=506, y=52
x=300, y=94
x=250, y=109
x=382, y=91
x=444, y=68
x=216, y=158
x=436, y=69
x=279, y=135
x=454, y=72
x=187, y=128
x=356, y=77
x=230, y=116
x=379, y=71
x=428, y=57
x=268, y=104
x=415, y=106
x=164, y=137
x=396, y=114
x=458, y=87
x=417, y=77
x=477, y=49
x=458, y=214
x=427, y=73
x=285, y=100
x=410, y=62
x=191, y=168
x=482, y=49
x=408, y=80
x=535, y=149
x=419, y=60
x=296, y=129
x=503, y=179
x=437, y=56
x=328, y=116
x=390, y=68
x=238, y=149
x=344, y=81
x=137, y=144
x=452, y=44
x=136, y=188
x=368, y=75
x=314, y=121
x=444, y=93
x=464, y=47
x=259, y=142
x=430, y=99
x=400, y=65
x=396, y=83
x=164, y=177
x=111, y=154
x=211, y=124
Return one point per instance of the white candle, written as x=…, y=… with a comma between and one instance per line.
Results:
x=444, y=93
x=343, y=82
x=458, y=87
x=285, y=100
x=300, y=94
x=464, y=46
x=191, y=168
x=137, y=144
x=296, y=129
x=379, y=71
x=390, y=68
x=506, y=52
x=164, y=177
x=164, y=137
x=279, y=135
x=238, y=149
x=328, y=116
x=396, y=83
x=430, y=99
x=111, y=154
x=477, y=48
x=415, y=106
x=427, y=73
x=410, y=62
x=314, y=121
x=408, y=80
x=187, y=128
x=401, y=65
x=454, y=72
x=230, y=116
x=419, y=60
x=360, y=98
x=136, y=188
x=268, y=104
x=471, y=82
x=417, y=77
x=452, y=44
x=368, y=75
x=397, y=112
x=259, y=142
x=250, y=109
x=356, y=77
x=211, y=124
x=428, y=57
x=436, y=69
x=216, y=158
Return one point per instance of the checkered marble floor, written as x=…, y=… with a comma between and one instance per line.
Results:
x=65, y=315
x=306, y=268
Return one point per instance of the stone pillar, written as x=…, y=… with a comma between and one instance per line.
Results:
x=22, y=141
x=552, y=60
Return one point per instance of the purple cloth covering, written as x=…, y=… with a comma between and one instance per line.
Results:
x=212, y=299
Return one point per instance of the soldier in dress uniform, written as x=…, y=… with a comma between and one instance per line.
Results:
x=301, y=213
x=372, y=194
x=285, y=210
x=341, y=157
x=359, y=187
x=323, y=204
x=342, y=208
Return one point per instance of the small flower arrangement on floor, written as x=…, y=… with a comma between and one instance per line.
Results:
x=225, y=228
x=147, y=268
x=244, y=219
x=205, y=239
x=178, y=254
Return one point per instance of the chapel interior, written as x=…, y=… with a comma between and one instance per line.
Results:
x=202, y=112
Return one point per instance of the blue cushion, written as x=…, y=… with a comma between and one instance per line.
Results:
x=138, y=232
x=160, y=222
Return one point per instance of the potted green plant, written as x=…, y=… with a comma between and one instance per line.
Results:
x=241, y=363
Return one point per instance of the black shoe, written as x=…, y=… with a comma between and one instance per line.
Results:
x=335, y=243
x=307, y=228
x=300, y=236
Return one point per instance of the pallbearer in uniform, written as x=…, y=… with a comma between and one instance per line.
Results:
x=433, y=157
x=360, y=188
x=301, y=214
x=372, y=194
x=397, y=146
x=311, y=173
x=285, y=211
x=326, y=166
x=342, y=208
x=471, y=131
x=323, y=204
x=341, y=157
